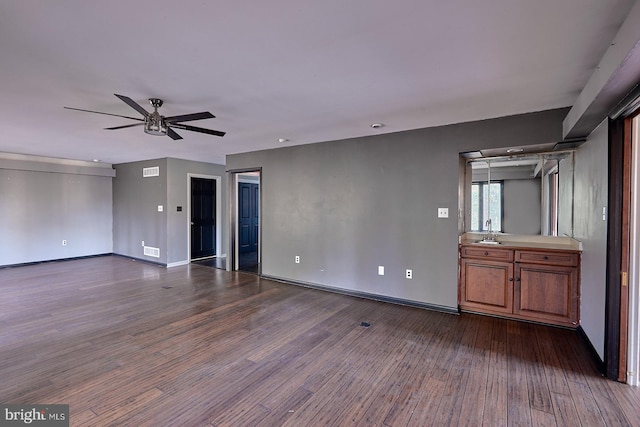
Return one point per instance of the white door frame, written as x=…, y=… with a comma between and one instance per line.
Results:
x=235, y=177
x=218, y=180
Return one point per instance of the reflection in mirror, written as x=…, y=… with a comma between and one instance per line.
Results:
x=521, y=194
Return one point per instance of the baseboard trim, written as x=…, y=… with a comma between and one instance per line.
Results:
x=366, y=295
x=602, y=368
x=178, y=263
x=24, y=264
x=148, y=261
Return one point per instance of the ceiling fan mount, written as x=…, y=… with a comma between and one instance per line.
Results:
x=156, y=124
x=155, y=102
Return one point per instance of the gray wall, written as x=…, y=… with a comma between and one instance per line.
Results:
x=591, y=177
x=348, y=206
x=42, y=204
x=522, y=206
x=177, y=195
x=135, y=208
x=566, y=195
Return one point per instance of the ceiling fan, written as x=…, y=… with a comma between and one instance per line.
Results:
x=156, y=124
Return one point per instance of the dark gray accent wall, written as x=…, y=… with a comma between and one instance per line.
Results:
x=591, y=180
x=347, y=207
x=135, y=208
x=43, y=204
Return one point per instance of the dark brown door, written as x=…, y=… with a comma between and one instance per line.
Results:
x=618, y=238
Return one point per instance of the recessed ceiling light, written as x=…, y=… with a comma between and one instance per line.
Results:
x=515, y=150
x=96, y=160
x=377, y=125
x=281, y=140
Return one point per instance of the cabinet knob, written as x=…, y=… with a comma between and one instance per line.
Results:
x=511, y=279
x=486, y=253
x=517, y=279
x=546, y=257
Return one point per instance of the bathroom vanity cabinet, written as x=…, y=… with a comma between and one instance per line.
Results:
x=536, y=284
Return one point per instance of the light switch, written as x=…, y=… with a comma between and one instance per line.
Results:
x=381, y=270
x=443, y=212
x=160, y=208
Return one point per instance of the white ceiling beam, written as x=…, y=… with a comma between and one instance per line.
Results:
x=616, y=74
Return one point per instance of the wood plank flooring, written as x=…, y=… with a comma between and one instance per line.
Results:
x=126, y=343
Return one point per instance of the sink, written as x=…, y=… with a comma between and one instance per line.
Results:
x=488, y=242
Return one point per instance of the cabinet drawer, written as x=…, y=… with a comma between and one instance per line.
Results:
x=486, y=253
x=556, y=258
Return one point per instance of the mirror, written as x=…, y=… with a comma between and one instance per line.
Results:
x=520, y=194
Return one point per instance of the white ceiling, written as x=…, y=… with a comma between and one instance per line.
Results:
x=304, y=71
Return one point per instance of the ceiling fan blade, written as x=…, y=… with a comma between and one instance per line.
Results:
x=106, y=114
x=190, y=117
x=124, y=126
x=172, y=134
x=196, y=129
x=133, y=104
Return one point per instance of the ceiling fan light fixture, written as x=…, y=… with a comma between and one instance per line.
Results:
x=155, y=125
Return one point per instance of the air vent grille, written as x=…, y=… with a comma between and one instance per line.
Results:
x=152, y=171
x=151, y=251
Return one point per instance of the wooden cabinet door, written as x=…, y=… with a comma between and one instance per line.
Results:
x=486, y=286
x=546, y=293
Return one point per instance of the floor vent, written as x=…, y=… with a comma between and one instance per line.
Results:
x=153, y=171
x=150, y=251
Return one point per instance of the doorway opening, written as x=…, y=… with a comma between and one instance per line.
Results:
x=246, y=246
x=204, y=219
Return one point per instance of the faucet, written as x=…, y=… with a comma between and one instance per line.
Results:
x=489, y=237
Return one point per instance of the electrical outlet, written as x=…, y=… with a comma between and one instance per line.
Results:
x=142, y=244
x=409, y=274
x=64, y=243
x=443, y=212
x=381, y=270
x=297, y=259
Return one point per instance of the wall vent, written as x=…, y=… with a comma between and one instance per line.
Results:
x=153, y=171
x=151, y=251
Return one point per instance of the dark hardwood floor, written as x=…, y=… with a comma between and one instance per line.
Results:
x=126, y=343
